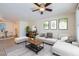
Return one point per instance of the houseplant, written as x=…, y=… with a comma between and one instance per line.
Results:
x=28, y=29
x=30, y=33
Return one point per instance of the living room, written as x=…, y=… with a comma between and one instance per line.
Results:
x=58, y=24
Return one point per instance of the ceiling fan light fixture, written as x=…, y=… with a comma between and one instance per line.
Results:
x=42, y=9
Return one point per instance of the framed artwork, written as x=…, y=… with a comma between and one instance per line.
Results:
x=46, y=25
x=2, y=26
x=63, y=23
x=53, y=24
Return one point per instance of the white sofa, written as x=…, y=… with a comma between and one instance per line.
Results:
x=65, y=49
x=52, y=40
x=48, y=40
x=21, y=39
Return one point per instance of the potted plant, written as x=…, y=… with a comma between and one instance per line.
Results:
x=28, y=29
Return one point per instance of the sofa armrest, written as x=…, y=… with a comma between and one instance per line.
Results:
x=65, y=49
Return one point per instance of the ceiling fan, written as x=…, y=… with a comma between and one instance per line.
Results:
x=42, y=7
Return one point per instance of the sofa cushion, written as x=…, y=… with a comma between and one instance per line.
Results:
x=21, y=39
x=42, y=35
x=49, y=35
x=48, y=40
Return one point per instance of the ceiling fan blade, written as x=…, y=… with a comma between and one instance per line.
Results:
x=41, y=12
x=48, y=9
x=47, y=4
x=35, y=10
x=37, y=4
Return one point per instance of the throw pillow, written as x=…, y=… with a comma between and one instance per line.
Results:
x=64, y=38
x=42, y=35
x=49, y=35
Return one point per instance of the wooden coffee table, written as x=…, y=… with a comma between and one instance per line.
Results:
x=34, y=44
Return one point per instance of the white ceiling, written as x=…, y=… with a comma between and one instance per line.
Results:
x=23, y=11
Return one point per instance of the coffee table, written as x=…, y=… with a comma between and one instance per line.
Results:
x=34, y=44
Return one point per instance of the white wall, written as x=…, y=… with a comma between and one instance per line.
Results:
x=17, y=27
x=57, y=33
x=22, y=26
x=77, y=24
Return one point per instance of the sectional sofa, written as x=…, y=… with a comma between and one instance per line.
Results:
x=59, y=47
x=65, y=49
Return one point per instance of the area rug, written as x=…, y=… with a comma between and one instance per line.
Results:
x=21, y=50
